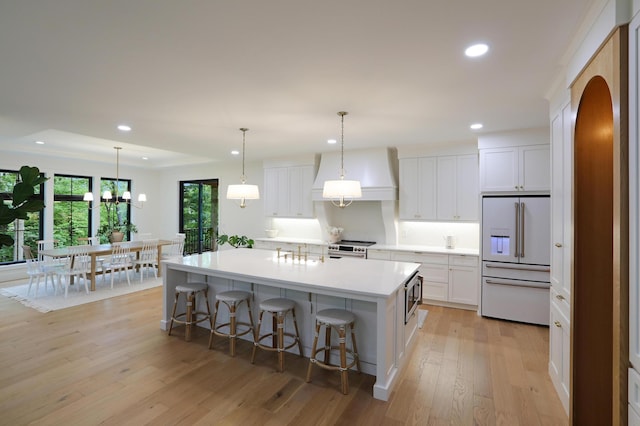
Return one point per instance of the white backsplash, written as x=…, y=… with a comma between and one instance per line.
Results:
x=467, y=235
x=363, y=221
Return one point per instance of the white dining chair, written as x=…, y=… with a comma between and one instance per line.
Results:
x=49, y=265
x=176, y=249
x=77, y=265
x=120, y=261
x=148, y=258
x=36, y=271
x=95, y=241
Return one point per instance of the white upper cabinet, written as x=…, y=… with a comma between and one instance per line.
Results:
x=287, y=191
x=518, y=168
x=418, y=188
x=457, y=187
x=439, y=188
x=300, y=183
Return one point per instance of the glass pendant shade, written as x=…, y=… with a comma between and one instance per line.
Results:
x=88, y=196
x=107, y=195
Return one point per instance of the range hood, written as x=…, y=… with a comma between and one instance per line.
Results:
x=375, y=168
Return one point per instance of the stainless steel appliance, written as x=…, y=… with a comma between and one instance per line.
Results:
x=349, y=248
x=412, y=295
x=516, y=258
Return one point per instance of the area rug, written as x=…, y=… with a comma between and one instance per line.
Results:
x=47, y=301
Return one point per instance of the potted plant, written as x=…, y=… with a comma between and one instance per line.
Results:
x=22, y=201
x=235, y=240
x=115, y=231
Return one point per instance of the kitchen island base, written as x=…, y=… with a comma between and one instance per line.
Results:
x=375, y=294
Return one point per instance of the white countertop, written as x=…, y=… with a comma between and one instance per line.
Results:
x=364, y=277
x=426, y=249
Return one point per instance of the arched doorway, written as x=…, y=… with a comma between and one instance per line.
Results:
x=593, y=258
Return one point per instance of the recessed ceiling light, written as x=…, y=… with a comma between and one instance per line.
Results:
x=40, y=142
x=145, y=158
x=124, y=128
x=476, y=126
x=235, y=152
x=332, y=141
x=476, y=50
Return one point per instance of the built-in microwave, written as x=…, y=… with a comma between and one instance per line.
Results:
x=412, y=295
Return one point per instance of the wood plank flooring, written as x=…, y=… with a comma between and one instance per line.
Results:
x=109, y=363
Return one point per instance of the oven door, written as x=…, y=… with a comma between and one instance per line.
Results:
x=412, y=296
x=337, y=254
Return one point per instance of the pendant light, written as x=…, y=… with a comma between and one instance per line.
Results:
x=342, y=192
x=243, y=191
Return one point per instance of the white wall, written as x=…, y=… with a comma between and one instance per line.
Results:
x=247, y=221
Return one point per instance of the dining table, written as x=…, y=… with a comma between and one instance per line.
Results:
x=96, y=251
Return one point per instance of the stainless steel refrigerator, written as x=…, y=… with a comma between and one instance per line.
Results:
x=516, y=258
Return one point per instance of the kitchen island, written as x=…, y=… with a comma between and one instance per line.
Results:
x=372, y=289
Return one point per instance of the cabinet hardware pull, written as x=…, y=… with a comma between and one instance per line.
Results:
x=522, y=227
x=558, y=245
x=557, y=324
x=517, y=207
x=518, y=269
x=516, y=187
x=559, y=297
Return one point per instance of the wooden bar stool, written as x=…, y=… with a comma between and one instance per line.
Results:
x=233, y=299
x=339, y=320
x=278, y=308
x=190, y=316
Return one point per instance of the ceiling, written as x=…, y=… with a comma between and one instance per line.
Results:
x=185, y=75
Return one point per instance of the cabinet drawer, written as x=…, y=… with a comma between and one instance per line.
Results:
x=463, y=260
x=378, y=254
x=561, y=303
x=435, y=291
x=420, y=257
x=435, y=273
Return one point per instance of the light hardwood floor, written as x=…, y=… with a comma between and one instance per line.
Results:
x=109, y=363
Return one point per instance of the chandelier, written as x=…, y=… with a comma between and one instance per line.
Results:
x=342, y=192
x=243, y=191
x=112, y=198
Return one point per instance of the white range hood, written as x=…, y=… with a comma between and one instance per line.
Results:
x=375, y=168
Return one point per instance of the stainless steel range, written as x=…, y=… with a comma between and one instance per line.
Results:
x=349, y=248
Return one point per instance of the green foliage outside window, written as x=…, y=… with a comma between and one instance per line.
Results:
x=20, y=202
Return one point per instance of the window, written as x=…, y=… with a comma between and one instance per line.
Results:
x=71, y=215
x=22, y=231
x=116, y=211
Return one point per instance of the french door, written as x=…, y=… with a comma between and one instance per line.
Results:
x=199, y=214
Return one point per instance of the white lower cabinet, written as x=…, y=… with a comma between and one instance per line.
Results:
x=559, y=353
x=447, y=278
x=463, y=279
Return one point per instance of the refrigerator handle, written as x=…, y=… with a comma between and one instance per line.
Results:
x=521, y=229
x=517, y=245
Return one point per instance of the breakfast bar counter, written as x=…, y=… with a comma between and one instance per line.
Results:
x=373, y=290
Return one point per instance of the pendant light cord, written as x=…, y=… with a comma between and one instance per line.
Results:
x=243, y=178
x=342, y=114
